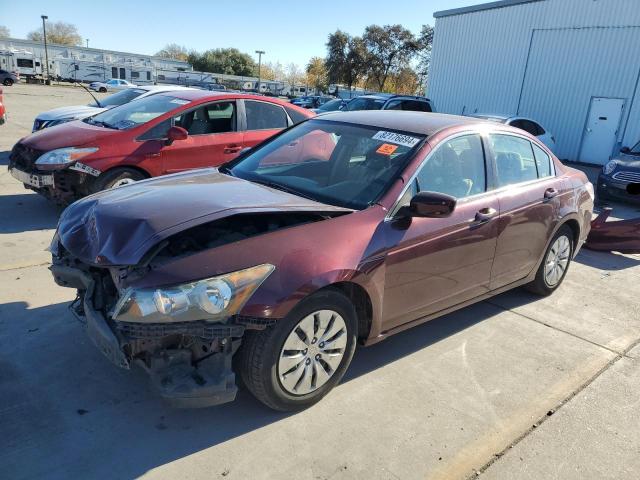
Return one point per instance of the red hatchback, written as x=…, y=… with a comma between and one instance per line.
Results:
x=164, y=133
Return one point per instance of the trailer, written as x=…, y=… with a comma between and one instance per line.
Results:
x=22, y=62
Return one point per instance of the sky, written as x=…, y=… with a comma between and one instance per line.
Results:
x=289, y=31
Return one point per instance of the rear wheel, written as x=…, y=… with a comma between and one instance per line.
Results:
x=295, y=363
x=555, y=264
x=7, y=82
x=118, y=177
x=102, y=89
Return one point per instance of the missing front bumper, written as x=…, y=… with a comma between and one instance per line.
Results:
x=182, y=381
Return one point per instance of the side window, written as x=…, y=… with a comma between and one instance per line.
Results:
x=514, y=159
x=543, y=162
x=415, y=106
x=217, y=117
x=456, y=168
x=264, y=116
x=159, y=132
x=394, y=105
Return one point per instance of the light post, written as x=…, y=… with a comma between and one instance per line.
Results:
x=87, y=42
x=46, y=53
x=260, y=53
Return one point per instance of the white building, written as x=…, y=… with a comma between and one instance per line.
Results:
x=573, y=65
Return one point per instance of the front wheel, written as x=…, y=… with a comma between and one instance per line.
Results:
x=102, y=90
x=295, y=363
x=555, y=264
x=118, y=177
x=7, y=82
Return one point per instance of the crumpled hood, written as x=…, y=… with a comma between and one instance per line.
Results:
x=117, y=227
x=71, y=134
x=627, y=162
x=76, y=111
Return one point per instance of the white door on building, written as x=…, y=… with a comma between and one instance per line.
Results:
x=601, y=130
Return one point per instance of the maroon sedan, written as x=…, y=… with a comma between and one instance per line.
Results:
x=345, y=228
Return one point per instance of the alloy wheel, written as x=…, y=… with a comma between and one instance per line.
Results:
x=122, y=182
x=557, y=261
x=312, y=352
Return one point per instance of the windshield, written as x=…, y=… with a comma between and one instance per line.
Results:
x=123, y=96
x=331, y=106
x=133, y=114
x=331, y=162
x=364, y=104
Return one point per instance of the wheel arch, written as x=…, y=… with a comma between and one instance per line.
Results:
x=362, y=303
x=128, y=167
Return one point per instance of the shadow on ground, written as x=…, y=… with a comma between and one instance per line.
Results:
x=26, y=212
x=58, y=394
x=609, y=261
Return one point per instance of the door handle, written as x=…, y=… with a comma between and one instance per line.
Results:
x=550, y=193
x=483, y=216
x=232, y=148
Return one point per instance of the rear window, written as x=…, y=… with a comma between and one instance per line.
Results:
x=364, y=104
x=295, y=115
x=122, y=97
x=264, y=116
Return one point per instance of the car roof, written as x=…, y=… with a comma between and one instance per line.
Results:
x=387, y=96
x=166, y=88
x=491, y=116
x=203, y=95
x=416, y=122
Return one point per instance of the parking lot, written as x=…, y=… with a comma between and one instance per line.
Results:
x=514, y=387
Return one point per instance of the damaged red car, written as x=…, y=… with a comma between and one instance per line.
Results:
x=346, y=228
x=160, y=134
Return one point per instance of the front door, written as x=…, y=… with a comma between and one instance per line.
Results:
x=436, y=263
x=213, y=138
x=601, y=131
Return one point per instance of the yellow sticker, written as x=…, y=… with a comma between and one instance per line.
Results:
x=386, y=149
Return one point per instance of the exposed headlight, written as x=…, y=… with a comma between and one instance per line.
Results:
x=212, y=299
x=63, y=156
x=609, y=167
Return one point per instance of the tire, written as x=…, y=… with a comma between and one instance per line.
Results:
x=7, y=82
x=116, y=178
x=558, y=252
x=262, y=355
x=102, y=90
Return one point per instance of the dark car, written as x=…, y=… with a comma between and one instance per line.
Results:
x=305, y=102
x=620, y=178
x=388, y=101
x=332, y=105
x=346, y=228
x=160, y=134
x=8, y=78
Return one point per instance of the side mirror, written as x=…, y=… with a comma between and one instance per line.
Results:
x=432, y=205
x=625, y=150
x=176, y=133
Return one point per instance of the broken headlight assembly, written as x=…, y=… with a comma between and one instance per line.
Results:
x=63, y=156
x=211, y=299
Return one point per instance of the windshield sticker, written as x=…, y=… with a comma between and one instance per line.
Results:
x=179, y=101
x=386, y=149
x=397, y=138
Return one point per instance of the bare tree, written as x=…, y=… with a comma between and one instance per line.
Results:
x=61, y=33
x=4, y=32
x=173, y=51
x=293, y=75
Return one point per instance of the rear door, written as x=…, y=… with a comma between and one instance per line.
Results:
x=261, y=121
x=529, y=195
x=213, y=138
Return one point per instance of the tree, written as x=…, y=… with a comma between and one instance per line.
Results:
x=389, y=49
x=4, y=32
x=425, y=42
x=293, y=75
x=173, y=51
x=405, y=82
x=60, y=33
x=317, y=74
x=346, y=58
x=229, y=61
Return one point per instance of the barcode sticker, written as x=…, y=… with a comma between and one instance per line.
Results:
x=397, y=138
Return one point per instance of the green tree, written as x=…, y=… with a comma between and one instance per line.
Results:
x=346, y=59
x=61, y=33
x=4, y=32
x=223, y=60
x=425, y=42
x=389, y=49
x=173, y=51
x=317, y=74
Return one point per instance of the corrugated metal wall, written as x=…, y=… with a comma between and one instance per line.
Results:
x=547, y=59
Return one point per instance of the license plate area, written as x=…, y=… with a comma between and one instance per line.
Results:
x=32, y=179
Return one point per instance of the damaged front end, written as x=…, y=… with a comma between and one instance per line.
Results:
x=183, y=336
x=621, y=236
